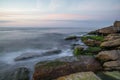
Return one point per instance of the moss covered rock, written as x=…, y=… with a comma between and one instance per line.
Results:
x=93, y=50
x=92, y=40
x=88, y=51
x=54, y=69
x=93, y=37
x=78, y=50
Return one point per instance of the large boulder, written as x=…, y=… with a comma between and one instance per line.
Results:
x=115, y=65
x=91, y=42
x=111, y=44
x=54, y=69
x=117, y=25
x=78, y=50
x=112, y=37
x=80, y=76
x=108, y=55
x=105, y=31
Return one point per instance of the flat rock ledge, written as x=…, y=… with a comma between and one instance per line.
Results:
x=54, y=69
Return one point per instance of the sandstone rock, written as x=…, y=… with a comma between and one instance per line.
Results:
x=112, y=64
x=108, y=55
x=107, y=30
x=54, y=69
x=112, y=37
x=80, y=76
x=117, y=25
x=91, y=42
x=111, y=44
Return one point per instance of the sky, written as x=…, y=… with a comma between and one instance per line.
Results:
x=39, y=13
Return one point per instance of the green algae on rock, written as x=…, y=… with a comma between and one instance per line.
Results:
x=88, y=51
x=53, y=69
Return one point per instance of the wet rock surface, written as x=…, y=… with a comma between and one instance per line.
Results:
x=26, y=56
x=18, y=74
x=71, y=38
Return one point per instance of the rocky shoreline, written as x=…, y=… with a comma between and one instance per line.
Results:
x=102, y=55
x=99, y=60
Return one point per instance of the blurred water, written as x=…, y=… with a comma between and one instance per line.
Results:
x=22, y=41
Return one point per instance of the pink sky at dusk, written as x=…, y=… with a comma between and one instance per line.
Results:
x=43, y=12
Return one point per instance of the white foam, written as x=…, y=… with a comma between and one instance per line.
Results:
x=67, y=52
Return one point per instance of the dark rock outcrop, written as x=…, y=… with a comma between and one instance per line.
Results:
x=54, y=69
x=26, y=56
x=18, y=74
x=71, y=37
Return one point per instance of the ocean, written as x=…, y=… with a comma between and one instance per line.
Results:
x=32, y=45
